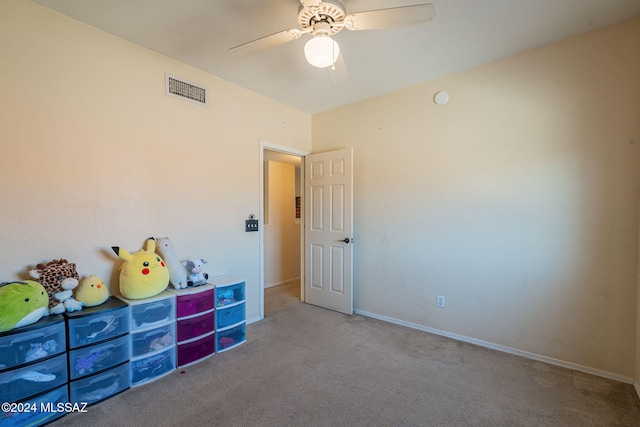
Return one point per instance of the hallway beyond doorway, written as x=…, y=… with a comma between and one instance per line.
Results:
x=278, y=298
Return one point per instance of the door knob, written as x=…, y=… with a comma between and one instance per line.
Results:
x=346, y=240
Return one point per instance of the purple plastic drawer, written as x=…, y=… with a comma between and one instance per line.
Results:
x=196, y=350
x=190, y=304
x=195, y=326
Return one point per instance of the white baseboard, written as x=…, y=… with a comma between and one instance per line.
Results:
x=282, y=282
x=253, y=320
x=505, y=349
x=637, y=387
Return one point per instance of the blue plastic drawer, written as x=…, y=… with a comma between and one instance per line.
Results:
x=230, y=338
x=22, y=383
x=27, y=344
x=98, y=357
x=47, y=408
x=100, y=386
x=197, y=350
x=95, y=324
x=151, y=312
x=231, y=315
x=229, y=294
x=152, y=340
x=151, y=368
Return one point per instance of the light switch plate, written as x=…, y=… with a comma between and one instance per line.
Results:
x=250, y=225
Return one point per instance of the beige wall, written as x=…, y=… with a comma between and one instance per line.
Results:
x=517, y=201
x=281, y=234
x=94, y=154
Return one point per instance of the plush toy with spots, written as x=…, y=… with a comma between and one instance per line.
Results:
x=59, y=278
x=196, y=276
x=21, y=304
x=144, y=273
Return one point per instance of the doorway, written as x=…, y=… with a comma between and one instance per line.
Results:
x=282, y=214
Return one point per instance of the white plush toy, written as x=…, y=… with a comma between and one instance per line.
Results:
x=177, y=273
x=196, y=276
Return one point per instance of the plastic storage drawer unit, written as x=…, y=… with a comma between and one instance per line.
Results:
x=100, y=386
x=151, y=340
x=98, y=357
x=152, y=337
x=195, y=324
x=30, y=380
x=95, y=324
x=42, y=339
x=48, y=407
x=230, y=315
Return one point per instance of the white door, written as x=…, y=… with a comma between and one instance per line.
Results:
x=328, y=230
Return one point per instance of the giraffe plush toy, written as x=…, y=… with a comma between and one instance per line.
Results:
x=58, y=277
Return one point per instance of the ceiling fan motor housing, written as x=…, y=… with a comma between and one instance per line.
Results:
x=328, y=12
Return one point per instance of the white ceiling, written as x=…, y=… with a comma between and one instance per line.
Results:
x=463, y=34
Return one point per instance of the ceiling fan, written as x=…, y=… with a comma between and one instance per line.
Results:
x=324, y=19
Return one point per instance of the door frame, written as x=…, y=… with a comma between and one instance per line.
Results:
x=266, y=145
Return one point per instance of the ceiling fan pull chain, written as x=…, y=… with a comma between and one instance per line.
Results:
x=333, y=55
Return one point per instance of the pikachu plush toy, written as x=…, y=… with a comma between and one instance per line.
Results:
x=144, y=273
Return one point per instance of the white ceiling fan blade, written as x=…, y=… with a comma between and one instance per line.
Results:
x=338, y=71
x=267, y=42
x=395, y=17
x=311, y=3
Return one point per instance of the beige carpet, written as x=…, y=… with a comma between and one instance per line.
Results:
x=306, y=366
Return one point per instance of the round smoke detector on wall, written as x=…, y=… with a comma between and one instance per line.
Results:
x=441, y=98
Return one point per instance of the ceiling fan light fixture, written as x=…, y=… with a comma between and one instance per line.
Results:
x=321, y=51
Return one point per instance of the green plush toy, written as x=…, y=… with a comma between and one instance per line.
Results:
x=21, y=304
x=143, y=274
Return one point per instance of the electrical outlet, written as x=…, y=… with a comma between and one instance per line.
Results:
x=440, y=301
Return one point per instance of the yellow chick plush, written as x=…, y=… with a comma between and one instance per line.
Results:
x=92, y=291
x=143, y=274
